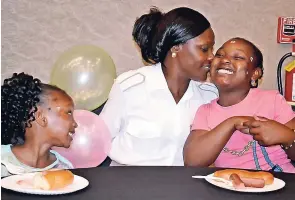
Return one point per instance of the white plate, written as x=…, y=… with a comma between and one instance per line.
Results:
x=276, y=185
x=10, y=183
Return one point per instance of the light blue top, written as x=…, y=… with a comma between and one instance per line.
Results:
x=7, y=156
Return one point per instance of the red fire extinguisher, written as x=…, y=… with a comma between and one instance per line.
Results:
x=286, y=34
x=289, y=93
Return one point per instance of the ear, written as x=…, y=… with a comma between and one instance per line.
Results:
x=40, y=117
x=257, y=74
x=176, y=49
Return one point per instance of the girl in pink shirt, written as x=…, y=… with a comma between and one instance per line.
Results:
x=228, y=131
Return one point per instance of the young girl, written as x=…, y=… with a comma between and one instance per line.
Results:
x=245, y=127
x=34, y=118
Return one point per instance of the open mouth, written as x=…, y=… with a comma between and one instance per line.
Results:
x=225, y=71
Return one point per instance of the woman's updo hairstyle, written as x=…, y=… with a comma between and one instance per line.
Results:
x=156, y=33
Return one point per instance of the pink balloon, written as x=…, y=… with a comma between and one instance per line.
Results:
x=91, y=141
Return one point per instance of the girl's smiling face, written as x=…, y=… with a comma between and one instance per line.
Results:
x=60, y=120
x=233, y=66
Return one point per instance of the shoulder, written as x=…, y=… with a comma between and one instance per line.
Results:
x=265, y=94
x=207, y=91
x=62, y=160
x=207, y=106
x=133, y=78
x=5, y=150
x=6, y=156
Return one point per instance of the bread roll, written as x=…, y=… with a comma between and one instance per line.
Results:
x=266, y=176
x=53, y=180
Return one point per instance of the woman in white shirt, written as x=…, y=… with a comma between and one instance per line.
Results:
x=150, y=110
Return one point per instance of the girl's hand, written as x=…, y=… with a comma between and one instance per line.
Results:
x=269, y=132
x=239, y=123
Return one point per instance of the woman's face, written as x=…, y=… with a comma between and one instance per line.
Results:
x=195, y=56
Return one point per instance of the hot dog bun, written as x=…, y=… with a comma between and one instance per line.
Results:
x=266, y=176
x=52, y=180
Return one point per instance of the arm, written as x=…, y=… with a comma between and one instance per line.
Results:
x=291, y=151
x=113, y=113
x=269, y=132
x=203, y=147
x=291, y=124
x=285, y=115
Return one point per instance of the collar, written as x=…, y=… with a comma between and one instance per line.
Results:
x=12, y=159
x=156, y=82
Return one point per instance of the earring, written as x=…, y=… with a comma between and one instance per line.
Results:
x=253, y=83
x=173, y=55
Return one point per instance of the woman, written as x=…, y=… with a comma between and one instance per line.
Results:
x=150, y=110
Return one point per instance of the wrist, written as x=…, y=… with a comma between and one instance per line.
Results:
x=237, y=122
x=290, y=140
x=233, y=122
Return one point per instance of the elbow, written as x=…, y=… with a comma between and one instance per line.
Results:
x=192, y=156
x=194, y=161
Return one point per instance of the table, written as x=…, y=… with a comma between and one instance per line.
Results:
x=155, y=183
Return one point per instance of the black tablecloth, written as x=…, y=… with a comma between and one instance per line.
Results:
x=148, y=183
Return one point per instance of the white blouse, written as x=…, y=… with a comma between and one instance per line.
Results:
x=147, y=126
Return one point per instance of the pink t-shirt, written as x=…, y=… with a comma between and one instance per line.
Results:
x=265, y=103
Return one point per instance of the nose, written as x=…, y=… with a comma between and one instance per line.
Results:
x=211, y=55
x=75, y=124
x=225, y=60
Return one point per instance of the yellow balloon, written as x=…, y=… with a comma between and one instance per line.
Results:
x=86, y=73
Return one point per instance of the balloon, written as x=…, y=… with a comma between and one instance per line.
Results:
x=86, y=73
x=91, y=141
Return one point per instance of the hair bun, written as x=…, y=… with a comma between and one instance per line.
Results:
x=144, y=30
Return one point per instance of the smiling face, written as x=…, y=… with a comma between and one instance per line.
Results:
x=234, y=66
x=60, y=121
x=195, y=56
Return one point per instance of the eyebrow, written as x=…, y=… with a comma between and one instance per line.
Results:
x=64, y=105
x=241, y=50
x=236, y=49
x=58, y=104
x=204, y=43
